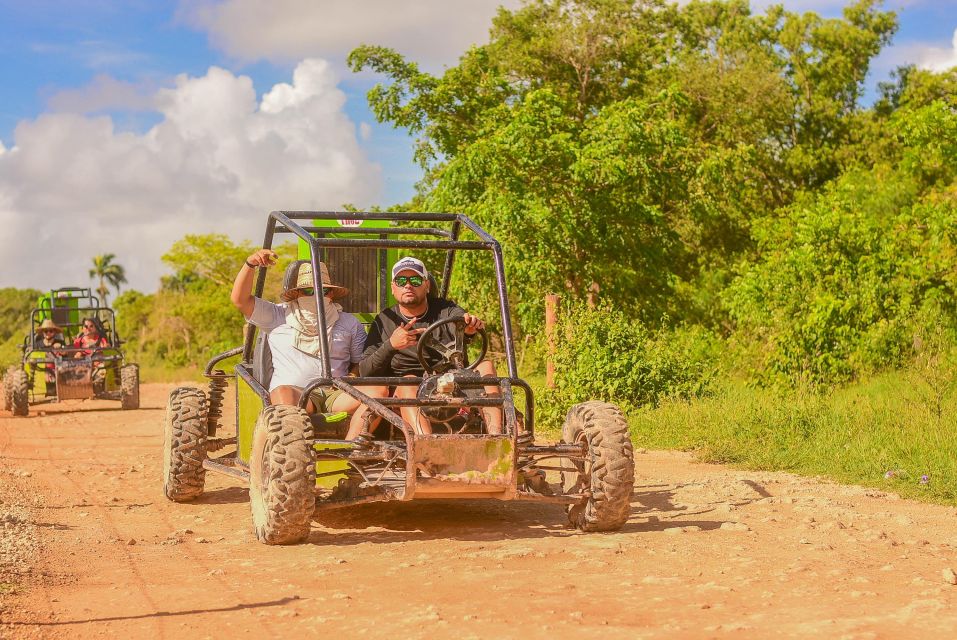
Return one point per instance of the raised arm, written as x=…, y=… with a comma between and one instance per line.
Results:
x=241, y=295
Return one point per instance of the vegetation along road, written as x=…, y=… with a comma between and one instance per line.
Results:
x=91, y=549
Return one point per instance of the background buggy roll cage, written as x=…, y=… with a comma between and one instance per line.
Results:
x=48, y=300
x=287, y=222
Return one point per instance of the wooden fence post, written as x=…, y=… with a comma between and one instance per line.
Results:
x=551, y=306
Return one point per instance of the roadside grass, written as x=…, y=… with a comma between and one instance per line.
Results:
x=162, y=372
x=888, y=433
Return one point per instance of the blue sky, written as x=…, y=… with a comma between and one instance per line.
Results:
x=105, y=126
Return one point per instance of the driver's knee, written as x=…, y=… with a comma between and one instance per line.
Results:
x=486, y=368
x=406, y=390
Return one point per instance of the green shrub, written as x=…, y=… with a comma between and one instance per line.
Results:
x=607, y=355
x=845, y=279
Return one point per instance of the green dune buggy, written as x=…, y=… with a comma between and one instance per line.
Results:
x=298, y=465
x=51, y=374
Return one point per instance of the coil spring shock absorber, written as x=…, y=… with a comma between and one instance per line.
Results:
x=534, y=478
x=217, y=391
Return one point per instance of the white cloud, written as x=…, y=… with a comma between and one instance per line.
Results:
x=922, y=54
x=105, y=92
x=73, y=186
x=938, y=58
x=432, y=32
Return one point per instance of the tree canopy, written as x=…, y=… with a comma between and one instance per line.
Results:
x=675, y=161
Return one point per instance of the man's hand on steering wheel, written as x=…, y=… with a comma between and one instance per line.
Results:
x=452, y=352
x=472, y=324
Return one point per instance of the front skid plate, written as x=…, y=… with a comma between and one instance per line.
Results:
x=481, y=463
x=74, y=379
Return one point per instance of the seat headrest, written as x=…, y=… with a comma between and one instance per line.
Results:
x=292, y=271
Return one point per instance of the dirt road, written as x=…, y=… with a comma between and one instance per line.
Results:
x=91, y=549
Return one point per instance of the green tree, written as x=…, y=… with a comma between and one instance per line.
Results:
x=628, y=146
x=107, y=273
x=213, y=256
x=15, y=308
x=848, y=278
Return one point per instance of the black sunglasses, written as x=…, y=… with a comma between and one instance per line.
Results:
x=401, y=281
x=311, y=291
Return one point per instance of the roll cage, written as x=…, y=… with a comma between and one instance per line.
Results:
x=316, y=239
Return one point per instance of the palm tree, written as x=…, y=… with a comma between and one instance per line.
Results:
x=108, y=273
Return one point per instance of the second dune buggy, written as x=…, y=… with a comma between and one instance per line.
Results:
x=47, y=374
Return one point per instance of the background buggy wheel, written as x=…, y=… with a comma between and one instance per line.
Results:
x=609, y=468
x=282, y=475
x=6, y=390
x=184, y=444
x=130, y=387
x=19, y=390
x=98, y=379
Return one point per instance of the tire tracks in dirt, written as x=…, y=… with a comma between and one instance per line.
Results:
x=134, y=570
x=130, y=557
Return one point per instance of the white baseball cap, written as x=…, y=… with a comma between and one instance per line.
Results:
x=411, y=264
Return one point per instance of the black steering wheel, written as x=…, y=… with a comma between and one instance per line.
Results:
x=452, y=352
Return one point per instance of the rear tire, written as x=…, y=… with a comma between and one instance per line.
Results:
x=130, y=387
x=19, y=390
x=98, y=379
x=184, y=445
x=6, y=390
x=609, y=468
x=282, y=475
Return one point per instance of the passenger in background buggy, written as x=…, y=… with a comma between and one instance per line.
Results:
x=49, y=338
x=92, y=338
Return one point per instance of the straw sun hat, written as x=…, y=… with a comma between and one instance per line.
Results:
x=49, y=324
x=304, y=279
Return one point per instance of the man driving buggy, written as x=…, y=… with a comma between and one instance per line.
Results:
x=293, y=334
x=390, y=349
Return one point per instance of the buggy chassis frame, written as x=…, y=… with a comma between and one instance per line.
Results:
x=375, y=461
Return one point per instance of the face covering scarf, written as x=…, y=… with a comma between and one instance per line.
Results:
x=305, y=320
